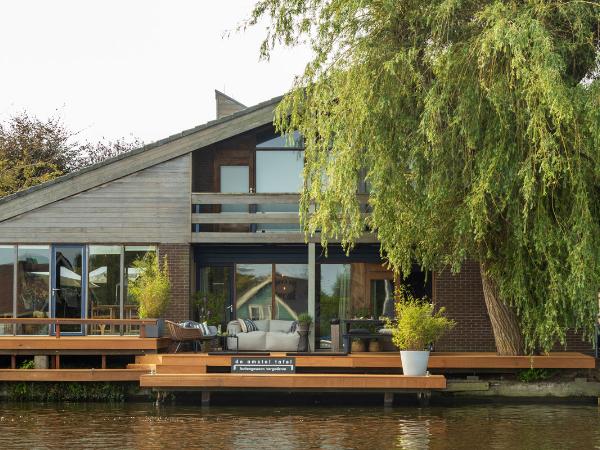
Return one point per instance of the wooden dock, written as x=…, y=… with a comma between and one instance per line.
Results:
x=295, y=382
x=438, y=362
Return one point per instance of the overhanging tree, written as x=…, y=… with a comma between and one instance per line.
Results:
x=477, y=125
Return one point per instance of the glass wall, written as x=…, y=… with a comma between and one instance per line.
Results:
x=104, y=286
x=333, y=300
x=279, y=165
x=33, y=286
x=254, y=291
x=291, y=290
x=7, y=273
x=214, y=295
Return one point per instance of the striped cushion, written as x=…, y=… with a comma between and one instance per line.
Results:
x=250, y=325
x=204, y=329
x=294, y=327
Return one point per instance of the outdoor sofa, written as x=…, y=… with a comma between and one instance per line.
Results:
x=271, y=335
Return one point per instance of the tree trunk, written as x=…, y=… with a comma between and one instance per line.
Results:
x=505, y=325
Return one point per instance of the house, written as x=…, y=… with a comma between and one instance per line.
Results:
x=220, y=201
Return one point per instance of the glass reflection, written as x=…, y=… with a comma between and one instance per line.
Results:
x=33, y=286
x=7, y=271
x=104, y=286
x=291, y=290
x=253, y=287
x=334, y=298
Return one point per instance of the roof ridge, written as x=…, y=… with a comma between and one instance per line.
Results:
x=141, y=149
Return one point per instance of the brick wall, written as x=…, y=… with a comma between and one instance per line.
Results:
x=178, y=256
x=462, y=295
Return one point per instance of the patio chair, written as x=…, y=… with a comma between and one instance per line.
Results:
x=179, y=334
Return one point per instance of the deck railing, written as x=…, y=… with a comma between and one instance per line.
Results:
x=57, y=322
x=217, y=226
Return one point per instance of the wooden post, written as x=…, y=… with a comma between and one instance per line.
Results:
x=13, y=361
x=143, y=330
x=57, y=330
x=205, y=398
x=103, y=361
x=388, y=399
x=423, y=397
x=57, y=361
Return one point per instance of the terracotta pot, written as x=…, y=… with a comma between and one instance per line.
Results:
x=374, y=345
x=358, y=346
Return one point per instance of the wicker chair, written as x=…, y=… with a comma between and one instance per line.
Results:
x=180, y=335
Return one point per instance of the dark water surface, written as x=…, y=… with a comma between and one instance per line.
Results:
x=132, y=426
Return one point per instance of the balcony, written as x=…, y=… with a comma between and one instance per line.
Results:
x=244, y=222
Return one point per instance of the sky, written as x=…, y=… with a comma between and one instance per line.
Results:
x=134, y=69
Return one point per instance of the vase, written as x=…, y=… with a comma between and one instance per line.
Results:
x=414, y=362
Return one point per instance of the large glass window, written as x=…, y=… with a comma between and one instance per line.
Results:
x=234, y=179
x=33, y=286
x=253, y=288
x=104, y=286
x=214, y=295
x=7, y=273
x=334, y=299
x=291, y=290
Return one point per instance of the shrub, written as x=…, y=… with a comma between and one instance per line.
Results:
x=211, y=307
x=417, y=324
x=152, y=288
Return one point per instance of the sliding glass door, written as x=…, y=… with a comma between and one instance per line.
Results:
x=68, y=285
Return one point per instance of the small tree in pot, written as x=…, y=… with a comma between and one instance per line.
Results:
x=305, y=320
x=417, y=326
x=151, y=289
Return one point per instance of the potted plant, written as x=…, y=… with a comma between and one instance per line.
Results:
x=151, y=289
x=305, y=320
x=417, y=326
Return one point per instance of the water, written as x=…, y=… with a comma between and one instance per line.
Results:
x=132, y=426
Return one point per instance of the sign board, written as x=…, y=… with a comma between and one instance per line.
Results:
x=261, y=364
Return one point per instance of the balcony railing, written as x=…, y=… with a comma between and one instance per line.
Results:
x=213, y=225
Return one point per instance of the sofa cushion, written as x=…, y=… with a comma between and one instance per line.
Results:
x=263, y=325
x=250, y=325
x=282, y=342
x=281, y=326
x=253, y=340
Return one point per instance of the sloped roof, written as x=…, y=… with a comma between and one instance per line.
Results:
x=138, y=159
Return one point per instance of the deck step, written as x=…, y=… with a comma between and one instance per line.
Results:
x=180, y=369
x=149, y=359
x=142, y=366
x=316, y=382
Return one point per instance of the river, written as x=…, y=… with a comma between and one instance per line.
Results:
x=142, y=425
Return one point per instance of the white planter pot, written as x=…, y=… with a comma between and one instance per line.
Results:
x=414, y=363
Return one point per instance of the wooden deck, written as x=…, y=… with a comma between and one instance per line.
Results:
x=312, y=382
x=69, y=375
x=80, y=345
x=438, y=362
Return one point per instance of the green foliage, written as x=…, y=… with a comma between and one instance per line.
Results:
x=27, y=364
x=69, y=391
x=476, y=126
x=417, y=323
x=532, y=375
x=305, y=318
x=33, y=151
x=151, y=289
x=211, y=307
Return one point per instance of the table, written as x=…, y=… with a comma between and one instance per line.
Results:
x=346, y=335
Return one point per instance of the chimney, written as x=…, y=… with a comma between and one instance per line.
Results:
x=226, y=105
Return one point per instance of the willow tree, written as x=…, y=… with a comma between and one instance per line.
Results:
x=476, y=125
